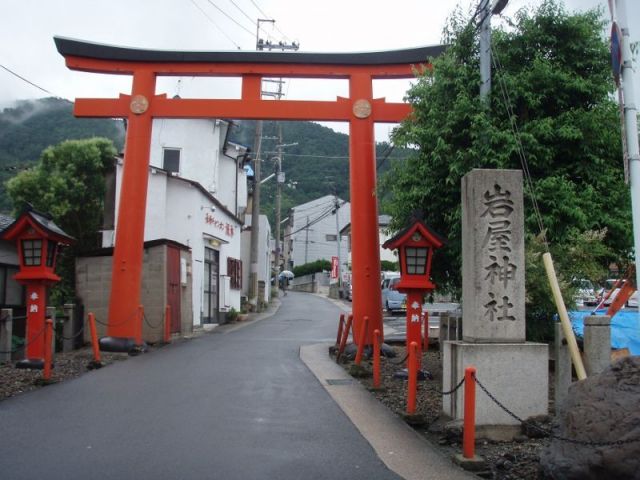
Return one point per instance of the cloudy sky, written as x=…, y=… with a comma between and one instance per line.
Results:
x=27, y=28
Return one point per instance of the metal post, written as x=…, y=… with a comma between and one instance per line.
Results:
x=340, y=329
x=469, y=429
x=91, y=320
x=631, y=127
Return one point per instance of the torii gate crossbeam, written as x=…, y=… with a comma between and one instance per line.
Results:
x=361, y=110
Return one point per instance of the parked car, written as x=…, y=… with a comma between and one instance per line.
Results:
x=585, y=293
x=392, y=299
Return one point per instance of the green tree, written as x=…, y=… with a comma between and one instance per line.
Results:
x=554, y=66
x=68, y=182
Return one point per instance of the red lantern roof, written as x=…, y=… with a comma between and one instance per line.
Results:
x=41, y=223
x=432, y=239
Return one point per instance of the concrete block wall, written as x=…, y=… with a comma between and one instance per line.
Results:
x=93, y=287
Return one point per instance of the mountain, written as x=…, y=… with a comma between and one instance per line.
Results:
x=315, y=162
x=33, y=125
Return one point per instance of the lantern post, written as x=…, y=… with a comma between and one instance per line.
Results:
x=38, y=239
x=415, y=245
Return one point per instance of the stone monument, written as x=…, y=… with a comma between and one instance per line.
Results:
x=493, y=298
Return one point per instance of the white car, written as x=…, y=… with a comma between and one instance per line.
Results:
x=585, y=293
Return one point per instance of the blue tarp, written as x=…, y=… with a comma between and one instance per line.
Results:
x=625, y=328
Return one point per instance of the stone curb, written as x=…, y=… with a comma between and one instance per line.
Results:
x=400, y=448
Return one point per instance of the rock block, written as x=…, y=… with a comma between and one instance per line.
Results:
x=601, y=408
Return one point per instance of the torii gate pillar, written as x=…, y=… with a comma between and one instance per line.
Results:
x=365, y=253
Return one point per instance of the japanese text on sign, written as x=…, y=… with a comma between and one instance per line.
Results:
x=496, y=251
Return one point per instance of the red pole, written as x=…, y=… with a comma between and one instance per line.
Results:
x=138, y=330
x=340, y=328
x=469, y=430
x=413, y=378
x=167, y=324
x=414, y=321
x=363, y=335
x=94, y=338
x=426, y=331
x=128, y=252
x=48, y=336
x=345, y=337
x=376, y=358
x=365, y=254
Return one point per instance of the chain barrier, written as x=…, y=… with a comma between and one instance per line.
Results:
x=549, y=433
x=151, y=325
x=25, y=345
x=111, y=324
x=452, y=391
x=74, y=336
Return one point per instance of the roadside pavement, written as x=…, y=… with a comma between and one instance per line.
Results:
x=234, y=404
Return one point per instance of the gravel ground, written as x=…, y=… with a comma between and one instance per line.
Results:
x=518, y=459
x=14, y=381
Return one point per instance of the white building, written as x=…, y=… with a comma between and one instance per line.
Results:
x=313, y=233
x=12, y=294
x=196, y=197
x=383, y=225
x=266, y=244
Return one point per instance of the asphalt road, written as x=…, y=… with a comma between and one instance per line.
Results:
x=239, y=405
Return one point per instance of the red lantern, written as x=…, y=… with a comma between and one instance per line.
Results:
x=37, y=239
x=415, y=245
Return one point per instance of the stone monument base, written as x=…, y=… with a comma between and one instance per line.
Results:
x=516, y=374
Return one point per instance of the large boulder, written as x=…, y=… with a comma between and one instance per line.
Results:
x=602, y=408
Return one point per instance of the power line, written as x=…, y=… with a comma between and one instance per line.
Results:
x=260, y=10
x=322, y=216
x=33, y=84
x=231, y=18
x=243, y=12
x=215, y=24
x=521, y=152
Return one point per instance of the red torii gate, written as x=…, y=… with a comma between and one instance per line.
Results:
x=361, y=110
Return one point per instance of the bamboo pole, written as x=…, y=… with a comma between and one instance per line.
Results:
x=564, y=317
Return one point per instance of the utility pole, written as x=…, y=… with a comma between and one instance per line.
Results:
x=306, y=241
x=485, y=10
x=619, y=14
x=485, y=50
x=337, y=208
x=279, y=181
x=268, y=45
x=255, y=220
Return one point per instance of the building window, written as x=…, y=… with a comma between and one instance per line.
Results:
x=32, y=252
x=171, y=160
x=234, y=271
x=331, y=238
